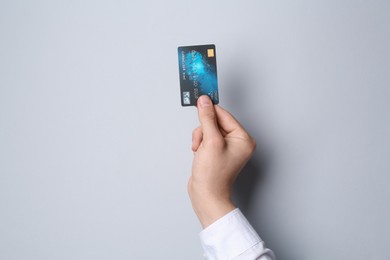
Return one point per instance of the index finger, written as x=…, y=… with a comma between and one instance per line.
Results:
x=227, y=121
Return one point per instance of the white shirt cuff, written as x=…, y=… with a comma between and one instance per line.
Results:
x=232, y=237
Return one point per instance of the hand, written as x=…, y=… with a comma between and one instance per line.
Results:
x=221, y=148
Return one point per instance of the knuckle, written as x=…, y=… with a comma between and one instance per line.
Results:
x=250, y=145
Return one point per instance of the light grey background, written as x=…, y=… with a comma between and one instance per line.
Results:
x=95, y=147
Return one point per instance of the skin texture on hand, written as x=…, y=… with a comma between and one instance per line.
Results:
x=221, y=148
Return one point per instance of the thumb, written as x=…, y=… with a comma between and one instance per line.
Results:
x=208, y=118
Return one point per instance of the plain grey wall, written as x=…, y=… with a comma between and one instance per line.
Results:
x=95, y=147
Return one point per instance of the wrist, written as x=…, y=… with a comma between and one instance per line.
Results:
x=208, y=206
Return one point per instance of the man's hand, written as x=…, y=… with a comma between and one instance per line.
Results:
x=221, y=148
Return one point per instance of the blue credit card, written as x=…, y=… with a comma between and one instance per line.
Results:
x=198, y=73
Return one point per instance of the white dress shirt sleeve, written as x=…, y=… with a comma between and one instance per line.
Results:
x=232, y=237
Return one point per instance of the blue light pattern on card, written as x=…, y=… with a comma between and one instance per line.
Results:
x=198, y=73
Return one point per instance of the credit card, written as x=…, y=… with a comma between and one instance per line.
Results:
x=198, y=73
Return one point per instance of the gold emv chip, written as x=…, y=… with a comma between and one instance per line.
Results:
x=210, y=52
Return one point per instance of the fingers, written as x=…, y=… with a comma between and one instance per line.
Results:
x=197, y=136
x=233, y=129
x=208, y=119
x=226, y=121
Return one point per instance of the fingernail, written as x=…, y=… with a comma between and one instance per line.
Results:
x=204, y=101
